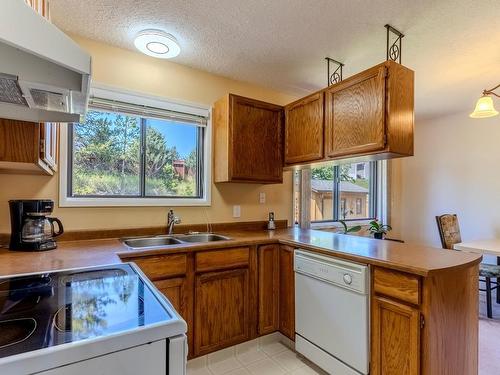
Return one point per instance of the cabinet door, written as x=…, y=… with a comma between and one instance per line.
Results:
x=176, y=292
x=304, y=127
x=221, y=310
x=48, y=143
x=355, y=114
x=179, y=292
x=287, y=292
x=395, y=338
x=268, y=289
x=256, y=153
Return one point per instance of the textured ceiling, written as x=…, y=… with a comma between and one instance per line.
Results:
x=453, y=45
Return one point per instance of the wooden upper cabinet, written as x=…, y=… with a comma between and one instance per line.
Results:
x=369, y=116
x=28, y=147
x=304, y=127
x=247, y=140
x=371, y=113
x=355, y=114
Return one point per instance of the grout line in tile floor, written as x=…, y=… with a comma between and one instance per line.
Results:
x=268, y=355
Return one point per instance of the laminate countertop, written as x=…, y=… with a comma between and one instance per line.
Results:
x=419, y=260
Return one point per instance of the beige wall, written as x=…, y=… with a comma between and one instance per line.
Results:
x=456, y=169
x=395, y=205
x=136, y=72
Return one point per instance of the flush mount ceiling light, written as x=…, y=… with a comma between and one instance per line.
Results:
x=157, y=43
x=484, y=106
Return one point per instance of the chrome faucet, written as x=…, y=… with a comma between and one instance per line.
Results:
x=171, y=221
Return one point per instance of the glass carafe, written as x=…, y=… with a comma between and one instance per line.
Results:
x=40, y=229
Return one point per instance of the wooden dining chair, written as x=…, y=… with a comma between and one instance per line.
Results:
x=449, y=232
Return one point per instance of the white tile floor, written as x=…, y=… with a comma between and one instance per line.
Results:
x=267, y=355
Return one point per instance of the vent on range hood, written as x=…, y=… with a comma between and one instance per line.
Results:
x=44, y=75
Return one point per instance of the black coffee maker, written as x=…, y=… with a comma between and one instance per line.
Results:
x=31, y=228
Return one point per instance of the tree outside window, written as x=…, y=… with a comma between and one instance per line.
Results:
x=118, y=155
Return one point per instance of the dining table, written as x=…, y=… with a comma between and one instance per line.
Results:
x=485, y=247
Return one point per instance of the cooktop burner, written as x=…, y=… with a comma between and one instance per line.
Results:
x=91, y=275
x=16, y=331
x=51, y=309
x=25, y=283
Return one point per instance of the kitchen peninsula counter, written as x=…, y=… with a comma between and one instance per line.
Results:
x=415, y=259
x=423, y=300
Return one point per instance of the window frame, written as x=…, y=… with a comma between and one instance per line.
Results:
x=106, y=92
x=379, y=191
x=374, y=195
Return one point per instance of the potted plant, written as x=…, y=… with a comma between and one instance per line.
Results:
x=379, y=230
x=347, y=230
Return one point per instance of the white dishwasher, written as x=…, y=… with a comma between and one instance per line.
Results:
x=332, y=313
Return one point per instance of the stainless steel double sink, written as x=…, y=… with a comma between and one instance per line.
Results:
x=167, y=240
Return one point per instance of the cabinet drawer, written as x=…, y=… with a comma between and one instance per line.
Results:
x=222, y=259
x=399, y=285
x=162, y=266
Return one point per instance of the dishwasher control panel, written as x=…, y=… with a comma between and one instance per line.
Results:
x=349, y=275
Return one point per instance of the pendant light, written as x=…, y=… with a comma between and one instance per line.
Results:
x=484, y=106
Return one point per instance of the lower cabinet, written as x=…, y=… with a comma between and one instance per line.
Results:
x=395, y=338
x=227, y=296
x=173, y=276
x=221, y=310
x=176, y=290
x=269, y=284
x=287, y=292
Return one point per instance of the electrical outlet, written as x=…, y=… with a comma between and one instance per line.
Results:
x=262, y=198
x=236, y=211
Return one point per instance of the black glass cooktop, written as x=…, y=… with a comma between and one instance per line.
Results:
x=50, y=309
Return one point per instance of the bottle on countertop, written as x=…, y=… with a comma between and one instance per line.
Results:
x=271, y=225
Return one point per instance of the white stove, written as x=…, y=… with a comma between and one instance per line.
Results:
x=99, y=320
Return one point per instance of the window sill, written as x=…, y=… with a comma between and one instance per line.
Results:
x=133, y=202
x=336, y=224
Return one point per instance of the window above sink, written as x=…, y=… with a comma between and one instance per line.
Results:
x=133, y=150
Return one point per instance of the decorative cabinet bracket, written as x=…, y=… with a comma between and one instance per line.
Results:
x=336, y=75
x=393, y=47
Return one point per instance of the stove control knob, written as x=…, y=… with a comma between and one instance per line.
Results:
x=347, y=279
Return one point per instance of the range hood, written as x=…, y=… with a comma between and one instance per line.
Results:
x=44, y=74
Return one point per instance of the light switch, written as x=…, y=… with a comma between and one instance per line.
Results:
x=262, y=197
x=236, y=211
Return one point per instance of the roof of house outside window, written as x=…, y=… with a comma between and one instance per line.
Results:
x=327, y=185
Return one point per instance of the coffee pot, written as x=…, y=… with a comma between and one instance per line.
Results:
x=32, y=229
